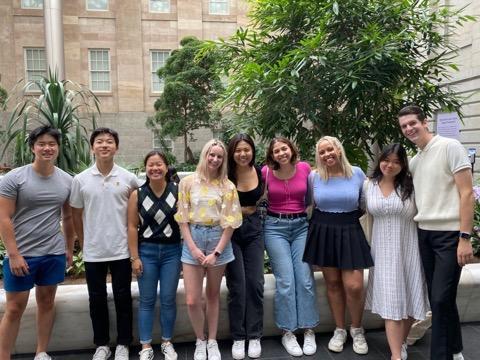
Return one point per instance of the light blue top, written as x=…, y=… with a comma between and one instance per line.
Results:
x=337, y=194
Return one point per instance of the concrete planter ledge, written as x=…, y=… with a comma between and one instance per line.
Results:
x=73, y=328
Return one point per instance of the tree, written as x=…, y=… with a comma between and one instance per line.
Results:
x=191, y=87
x=63, y=105
x=308, y=68
x=3, y=98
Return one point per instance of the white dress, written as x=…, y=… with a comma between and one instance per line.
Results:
x=396, y=284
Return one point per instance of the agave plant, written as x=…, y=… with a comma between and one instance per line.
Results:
x=63, y=105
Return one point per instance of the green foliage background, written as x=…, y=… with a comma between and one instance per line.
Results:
x=191, y=87
x=308, y=68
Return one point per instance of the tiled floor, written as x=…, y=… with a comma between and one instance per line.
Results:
x=272, y=348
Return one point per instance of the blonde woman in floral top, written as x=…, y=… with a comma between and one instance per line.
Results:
x=208, y=212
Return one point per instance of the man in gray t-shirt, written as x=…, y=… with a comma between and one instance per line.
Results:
x=33, y=200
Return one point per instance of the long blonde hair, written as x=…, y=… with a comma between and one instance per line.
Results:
x=202, y=163
x=344, y=163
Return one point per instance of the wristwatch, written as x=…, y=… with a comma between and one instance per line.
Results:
x=133, y=258
x=465, y=235
x=217, y=253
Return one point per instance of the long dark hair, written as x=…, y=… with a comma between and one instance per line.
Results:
x=269, y=158
x=232, y=146
x=403, y=182
x=168, y=175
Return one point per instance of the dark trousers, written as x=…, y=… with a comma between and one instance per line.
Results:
x=96, y=274
x=245, y=280
x=438, y=250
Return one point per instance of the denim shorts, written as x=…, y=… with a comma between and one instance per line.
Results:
x=43, y=271
x=206, y=238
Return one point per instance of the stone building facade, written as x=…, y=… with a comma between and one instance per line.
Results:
x=114, y=47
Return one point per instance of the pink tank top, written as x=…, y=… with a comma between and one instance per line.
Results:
x=287, y=196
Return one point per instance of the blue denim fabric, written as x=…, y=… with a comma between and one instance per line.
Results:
x=206, y=238
x=161, y=263
x=295, y=304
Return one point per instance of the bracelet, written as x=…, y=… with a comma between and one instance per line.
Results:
x=134, y=258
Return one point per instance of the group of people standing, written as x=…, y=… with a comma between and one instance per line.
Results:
x=418, y=244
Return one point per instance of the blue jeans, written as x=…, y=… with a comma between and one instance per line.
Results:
x=295, y=304
x=161, y=262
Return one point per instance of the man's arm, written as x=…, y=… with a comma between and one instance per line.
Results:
x=68, y=231
x=77, y=214
x=18, y=265
x=463, y=181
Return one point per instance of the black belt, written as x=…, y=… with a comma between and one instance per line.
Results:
x=287, y=216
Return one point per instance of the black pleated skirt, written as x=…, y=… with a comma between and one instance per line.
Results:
x=337, y=240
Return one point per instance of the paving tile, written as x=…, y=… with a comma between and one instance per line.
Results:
x=272, y=348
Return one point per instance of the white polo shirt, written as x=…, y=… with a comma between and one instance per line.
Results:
x=104, y=200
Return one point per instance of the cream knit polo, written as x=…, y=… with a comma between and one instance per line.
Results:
x=436, y=194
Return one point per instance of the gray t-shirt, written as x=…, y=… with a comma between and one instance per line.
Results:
x=38, y=201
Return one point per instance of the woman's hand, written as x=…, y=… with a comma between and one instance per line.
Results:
x=137, y=267
x=210, y=260
x=198, y=255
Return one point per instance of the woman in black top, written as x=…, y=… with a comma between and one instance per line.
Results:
x=155, y=250
x=245, y=274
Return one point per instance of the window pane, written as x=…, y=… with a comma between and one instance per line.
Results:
x=158, y=59
x=100, y=70
x=35, y=65
x=97, y=4
x=160, y=6
x=218, y=7
x=32, y=4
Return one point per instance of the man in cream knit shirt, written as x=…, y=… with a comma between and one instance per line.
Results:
x=444, y=197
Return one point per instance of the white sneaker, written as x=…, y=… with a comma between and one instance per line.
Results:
x=121, y=352
x=309, y=344
x=168, y=351
x=338, y=339
x=102, y=353
x=254, y=348
x=458, y=356
x=289, y=342
x=200, y=350
x=403, y=351
x=42, y=356
x=146, y=354
x=238, y=349
x=212, y=349
x=359, y=343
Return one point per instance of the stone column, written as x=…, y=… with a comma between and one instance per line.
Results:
x=54, y=37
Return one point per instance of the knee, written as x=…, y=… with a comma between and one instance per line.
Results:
x=45, y=302
x=439, y=303
x=213, y=295
x=334, y=286
x=14, y=310
x=354, y=291
x=193, y=303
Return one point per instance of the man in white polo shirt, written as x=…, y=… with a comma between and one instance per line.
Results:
x=99, y=200
x=444, y=196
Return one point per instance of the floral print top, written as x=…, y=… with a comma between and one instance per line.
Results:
x=208, y=202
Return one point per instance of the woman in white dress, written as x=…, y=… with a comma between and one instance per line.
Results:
x=396, y=285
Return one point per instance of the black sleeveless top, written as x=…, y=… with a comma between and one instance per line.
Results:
x=250, y=198
x=157, y=224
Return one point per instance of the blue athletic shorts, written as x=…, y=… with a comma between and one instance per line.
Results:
x=44, y=270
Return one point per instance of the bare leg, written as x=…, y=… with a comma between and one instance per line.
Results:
x=395, y=337
x=45, y=296
x=407, y=325
x=335, y=294
x=193, y=281
x=14, y=308
x=353, y=285
x=214, y=278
